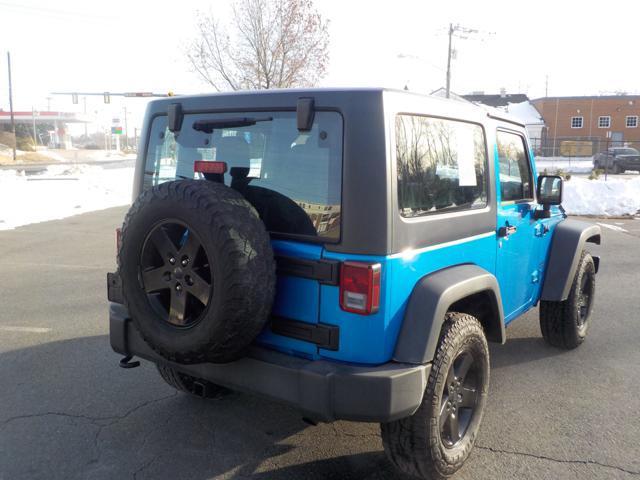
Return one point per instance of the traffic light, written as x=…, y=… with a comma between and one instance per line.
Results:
x=74, y=98
x=107, y=97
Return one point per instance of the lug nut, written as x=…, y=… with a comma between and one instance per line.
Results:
x=185, y=262
x=178, y=288
x=172, y=260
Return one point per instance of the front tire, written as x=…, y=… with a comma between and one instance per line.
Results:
x=437, y=439
x=565, y=324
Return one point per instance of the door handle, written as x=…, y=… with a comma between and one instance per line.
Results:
x=506, y=231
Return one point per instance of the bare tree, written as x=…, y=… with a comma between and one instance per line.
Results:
x=267, y=44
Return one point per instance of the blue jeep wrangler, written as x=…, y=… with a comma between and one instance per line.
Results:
x=349, y=252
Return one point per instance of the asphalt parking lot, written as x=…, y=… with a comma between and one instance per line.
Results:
x=68, y=412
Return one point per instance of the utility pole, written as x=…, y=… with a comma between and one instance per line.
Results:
x=48, y=104
x=456, y=30
x=13, y=122
x=449, y=61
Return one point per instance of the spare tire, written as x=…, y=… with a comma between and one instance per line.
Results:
x=197, y=270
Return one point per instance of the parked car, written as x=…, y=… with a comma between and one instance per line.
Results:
x=349, y=252
x=618, y=159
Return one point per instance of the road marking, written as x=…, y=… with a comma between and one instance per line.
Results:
x=7, y=328
x=613, y=227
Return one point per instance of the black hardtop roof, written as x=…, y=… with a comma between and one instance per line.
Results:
x=323, y=97
x=296, y=92
x=274, y=92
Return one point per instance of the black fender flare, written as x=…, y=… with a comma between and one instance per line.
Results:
x=430, y=300
x=569, y=238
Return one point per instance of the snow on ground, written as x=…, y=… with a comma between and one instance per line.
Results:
x=617, y=196
x=60, y=191
x=566, y=164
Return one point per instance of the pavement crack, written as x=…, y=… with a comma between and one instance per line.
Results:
x=557, y=460
x=47, y=414
x=145, y=465
x=117, y=418
x=98, y=421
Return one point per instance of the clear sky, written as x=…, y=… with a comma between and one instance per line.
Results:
x=585, y=48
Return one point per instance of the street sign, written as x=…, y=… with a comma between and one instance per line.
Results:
x=116, y=130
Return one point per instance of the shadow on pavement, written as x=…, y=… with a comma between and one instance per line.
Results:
x=71, y=412
x=521, y=350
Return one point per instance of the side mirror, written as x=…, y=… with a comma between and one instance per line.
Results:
x=549, y=192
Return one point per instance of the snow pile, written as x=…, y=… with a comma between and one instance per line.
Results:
x=614, y=197
x=566, y=164
x=60, y=191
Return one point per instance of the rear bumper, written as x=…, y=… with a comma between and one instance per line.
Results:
x=321, y=389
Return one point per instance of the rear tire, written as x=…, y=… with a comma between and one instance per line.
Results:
x=565, y=324
x=197, y=270
x=191, y=385
x=437, y=439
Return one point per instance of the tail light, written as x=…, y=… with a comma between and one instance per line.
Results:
x=118, y=239
x=203, y=166
x=360, y=287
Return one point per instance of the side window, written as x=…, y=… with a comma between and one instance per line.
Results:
x=516, y=181
x=441, y=165
x=162, y=159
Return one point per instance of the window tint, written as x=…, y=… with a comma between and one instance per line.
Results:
x=515, y=175
x=292, y=178
x=441, y=165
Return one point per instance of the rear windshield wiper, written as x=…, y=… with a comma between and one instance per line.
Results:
x=209, y=125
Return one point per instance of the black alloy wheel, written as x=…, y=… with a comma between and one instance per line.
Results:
x=584, y=302
x=459, y=399
x=175, y=273
x=435, y=441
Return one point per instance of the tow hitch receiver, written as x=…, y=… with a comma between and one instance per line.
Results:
x=126, y=362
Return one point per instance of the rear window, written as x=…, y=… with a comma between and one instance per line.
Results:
x=292, y=178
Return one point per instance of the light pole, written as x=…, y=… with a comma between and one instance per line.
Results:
x=35, y=136
x=126, y=130
x=13, y=121
x=84, y=101
x=407, y=56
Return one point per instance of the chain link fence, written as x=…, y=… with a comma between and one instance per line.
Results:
x=573, y=147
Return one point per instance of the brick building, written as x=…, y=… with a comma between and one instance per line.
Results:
x=587, y=125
